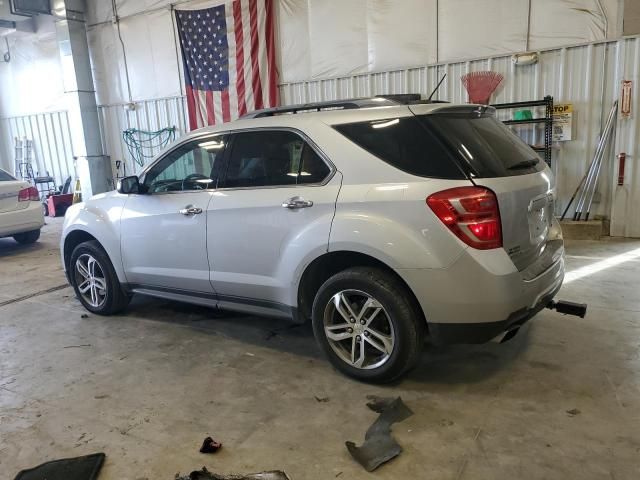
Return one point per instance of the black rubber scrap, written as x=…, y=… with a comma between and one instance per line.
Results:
x=379, y=446
x=210, y=446
x=205, y=474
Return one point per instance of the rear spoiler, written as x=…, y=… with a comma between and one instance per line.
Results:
x=472, y=110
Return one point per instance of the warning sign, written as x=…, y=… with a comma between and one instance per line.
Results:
x=562, y=122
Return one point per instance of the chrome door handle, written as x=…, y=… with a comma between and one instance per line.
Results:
x=297, y=202
x=188, y=211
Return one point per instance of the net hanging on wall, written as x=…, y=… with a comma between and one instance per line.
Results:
x=143, y=144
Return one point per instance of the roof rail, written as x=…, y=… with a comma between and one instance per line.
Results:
x=377, y=101
x=320, y=106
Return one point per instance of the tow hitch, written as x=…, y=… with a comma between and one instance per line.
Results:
x=568, y=308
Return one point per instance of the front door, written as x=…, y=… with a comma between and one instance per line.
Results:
x=276, y=205
x=164, y=228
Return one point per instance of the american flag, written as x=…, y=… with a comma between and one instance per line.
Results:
x=228, y=54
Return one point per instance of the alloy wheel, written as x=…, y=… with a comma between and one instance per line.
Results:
x=359, y=329
x=90, y=280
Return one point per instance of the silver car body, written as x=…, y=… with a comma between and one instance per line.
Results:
x=248, y=253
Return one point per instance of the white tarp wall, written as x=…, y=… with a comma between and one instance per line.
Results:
x=328, y=38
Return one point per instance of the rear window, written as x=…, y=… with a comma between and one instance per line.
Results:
x=5, y=177
x=406, y=144
x=484, y=146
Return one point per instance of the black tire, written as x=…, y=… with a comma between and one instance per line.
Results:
x=27, y=238
x=399, y=308
x=115, y=299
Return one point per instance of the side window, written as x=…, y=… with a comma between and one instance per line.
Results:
x=193, y=165
x=272, y=158
x=312, y=167
x=405, y=144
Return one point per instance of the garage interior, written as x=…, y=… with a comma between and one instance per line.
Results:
x=92, y=90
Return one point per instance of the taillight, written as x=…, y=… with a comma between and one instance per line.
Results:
x=28, y=194
x=471, y=213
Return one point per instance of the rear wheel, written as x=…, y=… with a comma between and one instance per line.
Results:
x=367, y=324
x=95, y=281
x=27, y=238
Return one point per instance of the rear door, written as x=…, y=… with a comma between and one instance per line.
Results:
x=9, y=189
x=276, y=205
x=496, y=158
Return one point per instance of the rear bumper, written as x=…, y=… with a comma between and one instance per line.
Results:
x=19, y=221
x=474, y=333
x=481, y=295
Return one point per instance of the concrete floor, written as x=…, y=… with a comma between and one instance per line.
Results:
x=148, y=386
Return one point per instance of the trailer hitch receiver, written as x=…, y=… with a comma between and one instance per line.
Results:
x=568, y=308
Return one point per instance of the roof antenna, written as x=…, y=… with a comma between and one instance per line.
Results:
x=437, y=87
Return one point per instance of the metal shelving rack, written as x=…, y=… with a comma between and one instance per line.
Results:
x=546, y=102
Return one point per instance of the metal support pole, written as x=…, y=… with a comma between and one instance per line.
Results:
x=598, y=159
x=595, y=181
x=71, y=35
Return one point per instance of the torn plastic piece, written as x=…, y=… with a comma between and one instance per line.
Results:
x=80, y=468
x=379, y=446
x=205, y=474
x=210, y=446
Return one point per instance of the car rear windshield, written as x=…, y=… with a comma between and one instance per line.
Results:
x=448, y=145
x=5, y=177
x=405, y=144
x=485, y=146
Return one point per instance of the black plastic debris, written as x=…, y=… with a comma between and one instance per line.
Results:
x=379, y=446
x=78, y=468
x=205, y=474
x=210, y=446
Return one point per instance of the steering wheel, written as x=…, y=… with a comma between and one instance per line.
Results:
x=194, y=176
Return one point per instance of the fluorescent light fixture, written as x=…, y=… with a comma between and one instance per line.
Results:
x=384, y=188
x=204, y=180
x=467, y=151
x=388, y=123
x=212, y=145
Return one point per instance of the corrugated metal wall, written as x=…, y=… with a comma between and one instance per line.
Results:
x=149, y=115
x=625, y=199
x=52, y=148
x=574, y=75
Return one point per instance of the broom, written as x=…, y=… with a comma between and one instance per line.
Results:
x=480, y=85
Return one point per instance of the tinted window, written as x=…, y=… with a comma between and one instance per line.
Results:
x=192, y=166
x=5, y=177
x=485, y=146
x=270, y=158
x=405, y=144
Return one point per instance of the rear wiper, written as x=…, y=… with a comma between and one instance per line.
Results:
x=524, y=164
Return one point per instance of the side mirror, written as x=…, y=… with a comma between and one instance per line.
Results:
x=127, y=185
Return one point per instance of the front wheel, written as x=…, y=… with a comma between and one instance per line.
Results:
x=368, y=325
x=95, y=281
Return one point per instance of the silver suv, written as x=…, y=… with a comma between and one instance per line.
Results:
x=383, y=223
